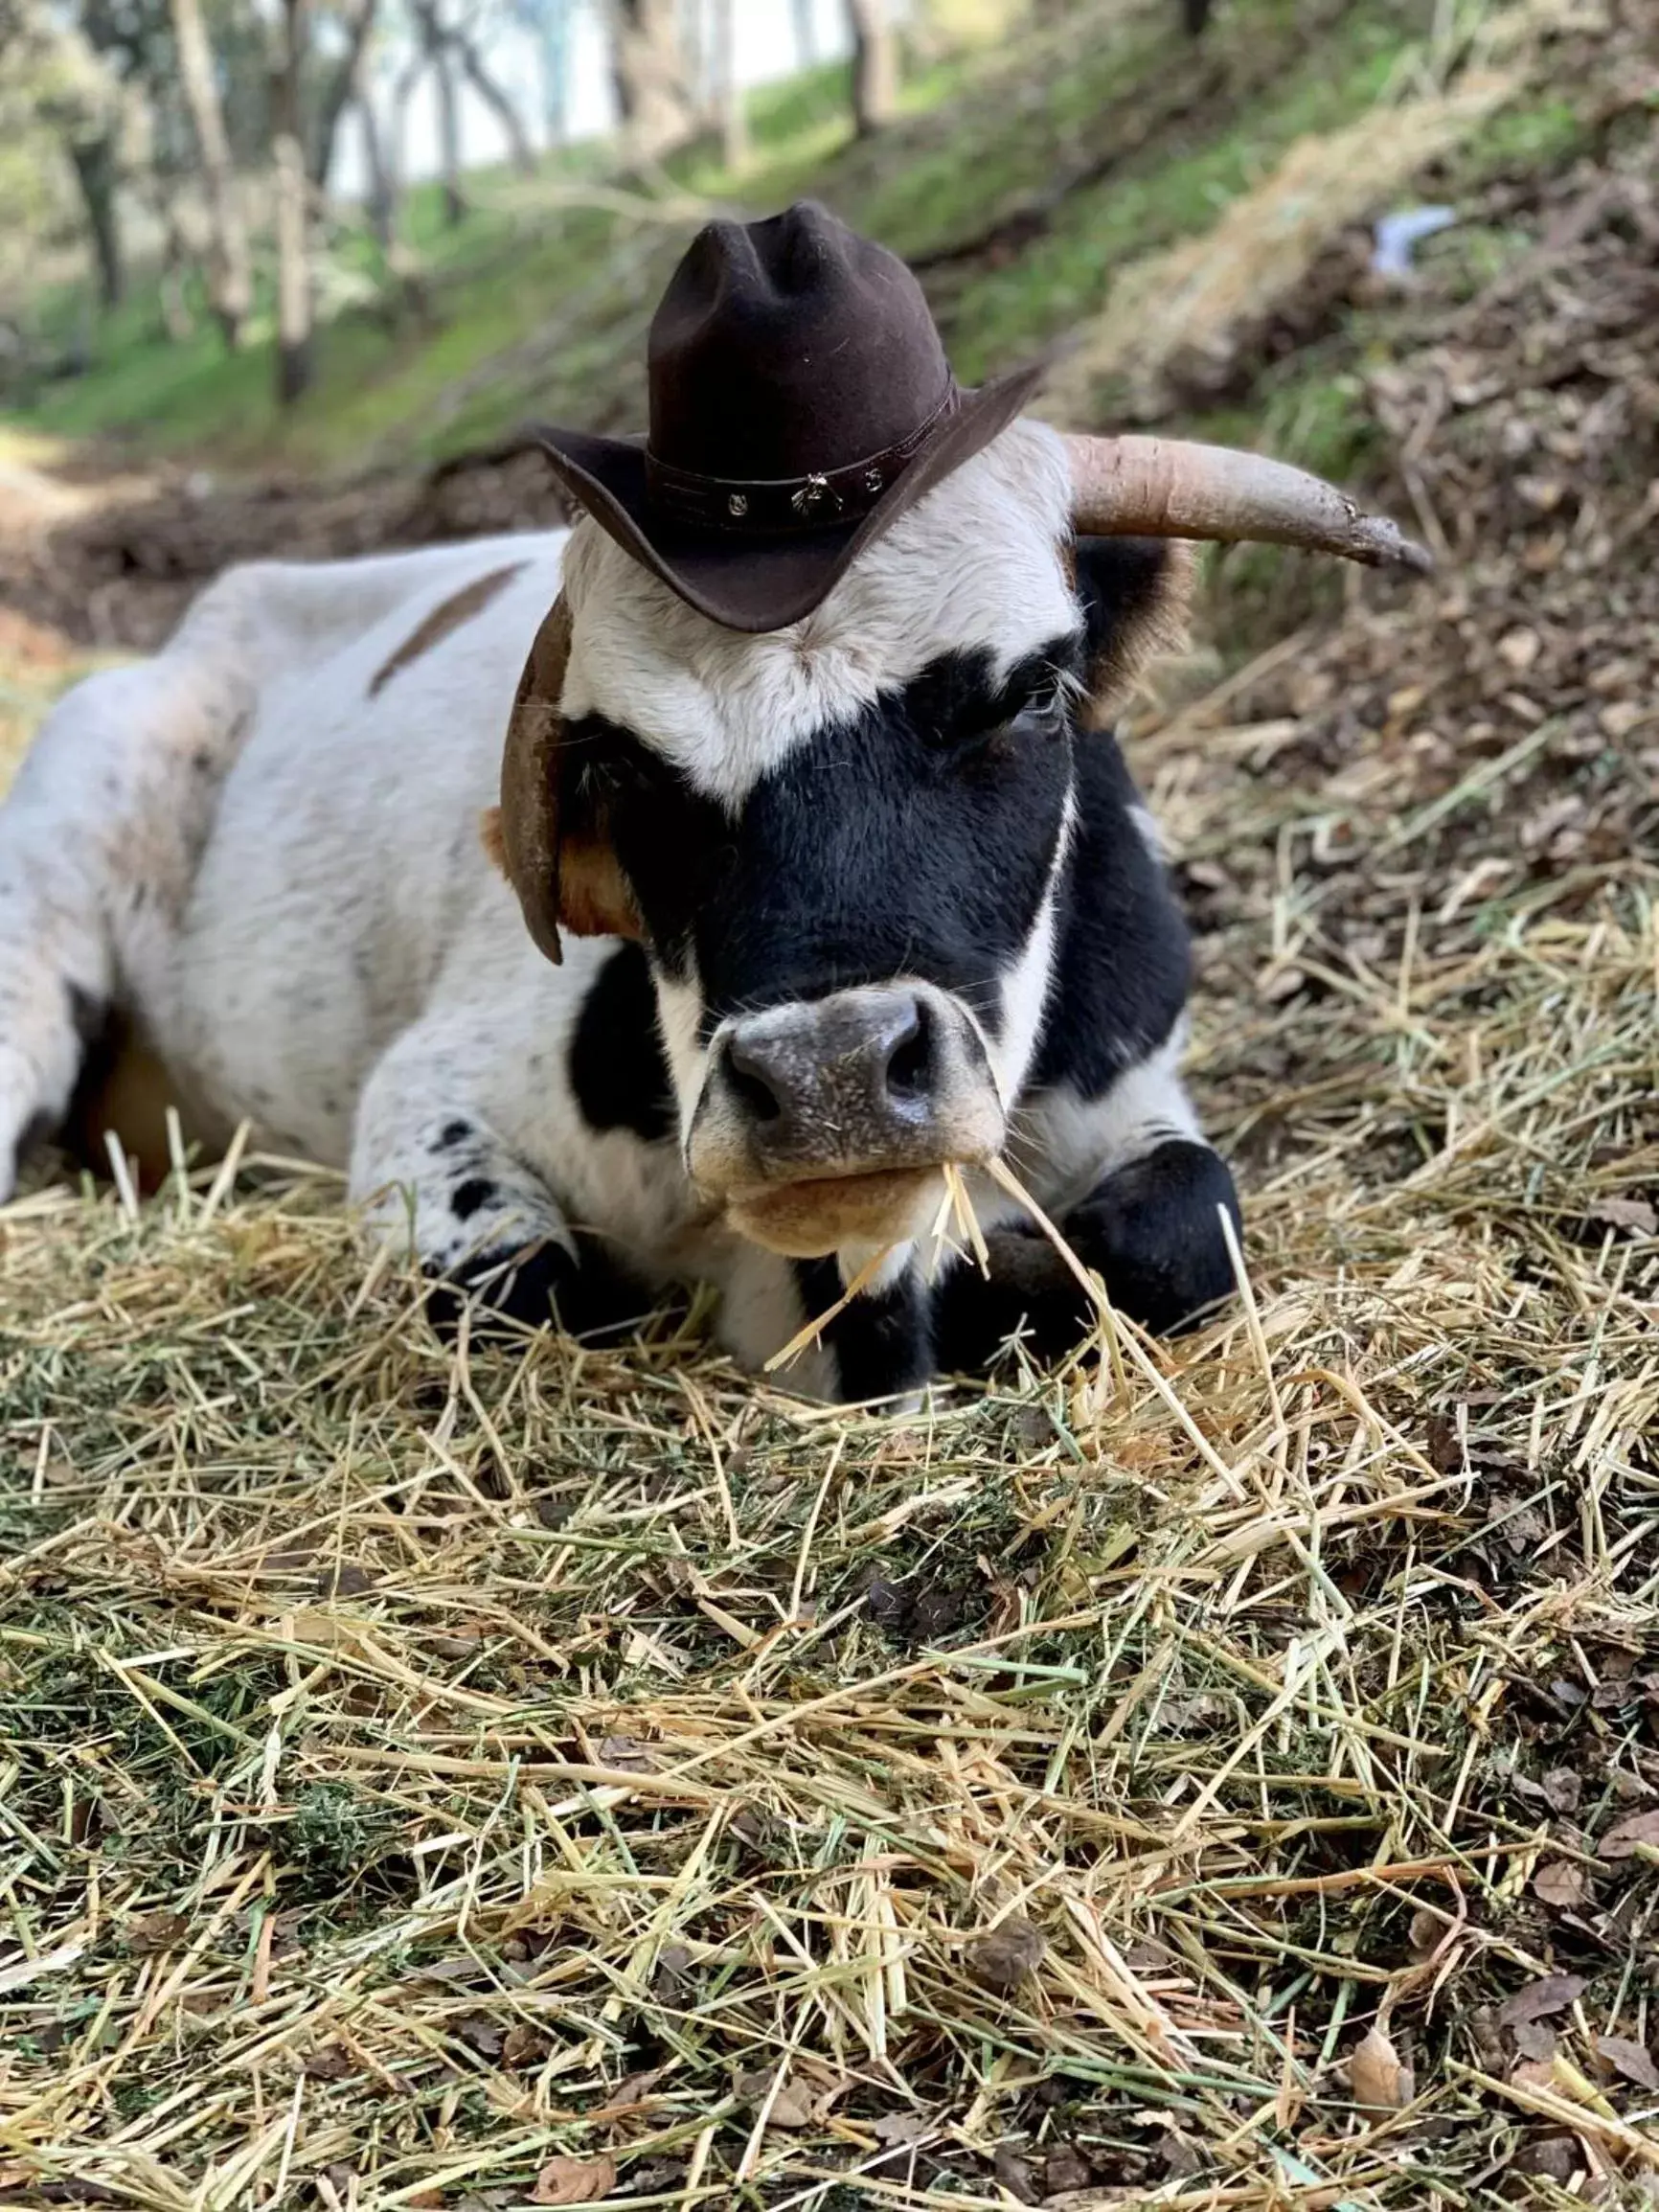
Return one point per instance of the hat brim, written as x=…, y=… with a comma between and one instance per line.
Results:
x=749, y=581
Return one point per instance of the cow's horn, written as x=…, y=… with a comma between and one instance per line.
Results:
x=1170, y=487
x=529, y=780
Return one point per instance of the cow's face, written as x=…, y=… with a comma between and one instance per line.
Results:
x=843, y=845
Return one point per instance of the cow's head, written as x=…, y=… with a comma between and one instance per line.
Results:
x=842, y=843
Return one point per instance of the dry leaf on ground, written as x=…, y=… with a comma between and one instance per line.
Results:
x=1534, y=2038
x=153, y=1931
x=1630, y=2058
x=1626, y=1214
x=1001, y=1960
x=1552, y=1993
x=626, y=1755
x=1381, y=2082
x=1624, y=1837
x=1558, y=1881
x=575, y=2180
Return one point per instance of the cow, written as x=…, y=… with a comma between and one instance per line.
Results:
x=708, y=969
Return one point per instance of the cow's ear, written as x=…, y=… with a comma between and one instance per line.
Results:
x=1136, y=595
x=594, y=898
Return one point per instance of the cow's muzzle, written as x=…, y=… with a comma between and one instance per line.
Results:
x=824, y=1123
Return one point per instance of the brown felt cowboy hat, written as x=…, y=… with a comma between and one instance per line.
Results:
x=801, y=402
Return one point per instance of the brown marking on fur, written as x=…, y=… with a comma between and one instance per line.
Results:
x=1161, y=626
x=492, y=837
x=459, y=607
x=124, y=1090
x=594, y=898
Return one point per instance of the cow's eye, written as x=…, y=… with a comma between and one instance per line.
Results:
x=1003, y=734
x=1042, y=715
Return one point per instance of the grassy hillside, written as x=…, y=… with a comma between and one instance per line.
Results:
x=1024, y=181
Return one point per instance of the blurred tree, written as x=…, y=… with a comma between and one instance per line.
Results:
x=806, y=33
x=1195, y=15
x=520, y=151
x=296, y=365
x=652, y=88
x=435, y=54
x=381, y=199
x=548, y=24
x=874, y=66
x=728, y=94
x=230, y=281
x=337, y=86
x=449, y=45
x=78, y=94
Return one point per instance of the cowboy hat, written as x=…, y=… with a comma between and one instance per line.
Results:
x=800, y=402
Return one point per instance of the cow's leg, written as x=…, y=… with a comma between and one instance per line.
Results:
x=1140, y=1201
x=439, y=1184
x=99, y=841
x=880, y=1343
x=1150, y=1229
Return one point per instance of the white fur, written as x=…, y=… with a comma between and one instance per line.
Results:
x=975, y=563
x=276, y=866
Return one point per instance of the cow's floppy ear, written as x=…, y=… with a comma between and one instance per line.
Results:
x=1136, y=595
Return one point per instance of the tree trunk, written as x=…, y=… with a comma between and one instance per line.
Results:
x=339, y=88
x=1194, y=16
x=230, y=272
x=648, y=66
x=520, y=150
x=806, y=33
x=296, y=366
x=729, y=101
x=434, y=45
x=382, y=198
x=176, y=319
x=92, y=156
x=448, y=138
x=553, y=27
x=393, y=150
x=874, y=66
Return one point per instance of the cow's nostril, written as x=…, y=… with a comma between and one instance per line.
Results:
x=750, y=1087
x=910, y=1064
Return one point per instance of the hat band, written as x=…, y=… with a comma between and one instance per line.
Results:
x=768, y=505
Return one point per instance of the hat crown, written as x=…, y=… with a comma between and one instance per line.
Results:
x=789, y=347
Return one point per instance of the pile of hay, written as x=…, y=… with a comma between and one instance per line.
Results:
x=526, y=1775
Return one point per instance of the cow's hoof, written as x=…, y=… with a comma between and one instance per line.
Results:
x=587, y=1296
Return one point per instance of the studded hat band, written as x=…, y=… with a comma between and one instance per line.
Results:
x=770, y=505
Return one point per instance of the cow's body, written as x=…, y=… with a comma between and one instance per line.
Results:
x=263, y=847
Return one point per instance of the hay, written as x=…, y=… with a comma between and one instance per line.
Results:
x=1228, y=1782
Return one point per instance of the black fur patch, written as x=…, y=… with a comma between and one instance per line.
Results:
x=466, y=1198
x=1122, y=964
x=617, y=1068
x=882, y=1343
x=1151, y=1232
x=915, y=838
x=589, y=1297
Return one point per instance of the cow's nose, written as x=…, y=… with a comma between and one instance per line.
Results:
x=851, y=1078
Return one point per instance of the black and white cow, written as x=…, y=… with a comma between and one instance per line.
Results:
x=839, y=904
